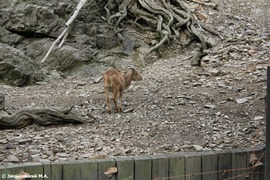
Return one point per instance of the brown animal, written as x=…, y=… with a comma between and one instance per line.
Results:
x=116, y=81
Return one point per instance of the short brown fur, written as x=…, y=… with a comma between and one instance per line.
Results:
x=116, y=82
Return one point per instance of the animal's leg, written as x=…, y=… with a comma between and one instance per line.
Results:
x=115, y=93
x=108, y=100
x=120, y=98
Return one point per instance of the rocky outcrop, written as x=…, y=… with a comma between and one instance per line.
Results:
x=16, y=68
x=32, y=18
x=28, y=29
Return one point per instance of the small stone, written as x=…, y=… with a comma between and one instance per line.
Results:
x=99, y=149
x=192, y=102
x=211, y=106
x=196, y=84
x=38, y=138
x=83, y=95
x=215, y=72
x=9, y=146
x=198, y=147
x=34, y=151
x=3, y=141
x=81, y=83
x=24, y=141
x=241, y=100
x=12, y=159
x=257, y=118
x=128, y=151
x=52, y=158
x=62, y=154
x=129, y=110
x=98, y=79
x=62, y=159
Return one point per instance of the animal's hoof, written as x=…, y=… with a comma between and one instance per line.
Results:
x=118, y=110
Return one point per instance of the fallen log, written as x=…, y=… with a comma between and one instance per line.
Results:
x=43, y=117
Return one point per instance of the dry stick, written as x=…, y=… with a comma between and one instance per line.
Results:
x=67, y=29
x=58, y=39
x=65, y=36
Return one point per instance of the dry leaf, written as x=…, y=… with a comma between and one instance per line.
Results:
x=253, y=158
x=254, y=161
x=110, y=171
x=258, y=164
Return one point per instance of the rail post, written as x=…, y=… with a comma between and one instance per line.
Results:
x=267, y=139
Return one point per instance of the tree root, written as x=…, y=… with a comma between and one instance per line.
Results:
x=196, y=59
x=167, y=17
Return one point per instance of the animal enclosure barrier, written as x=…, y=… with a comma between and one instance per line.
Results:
x=242, y=164
x=267, y=128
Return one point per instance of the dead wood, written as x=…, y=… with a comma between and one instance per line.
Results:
x=43, y=117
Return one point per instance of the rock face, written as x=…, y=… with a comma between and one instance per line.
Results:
x=34, y=17
x=28, y=29
x=16, y=68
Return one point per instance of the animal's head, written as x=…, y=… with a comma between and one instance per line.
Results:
x=136, y=76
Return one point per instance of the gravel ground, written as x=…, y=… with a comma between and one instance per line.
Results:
x=175, y=108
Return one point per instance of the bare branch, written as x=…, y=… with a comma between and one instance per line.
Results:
x=65, y=33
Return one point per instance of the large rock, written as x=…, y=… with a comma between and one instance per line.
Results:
x=34, y=18
x=9, y=38
x=16, y=68
x=32, y=26
x=46, y=18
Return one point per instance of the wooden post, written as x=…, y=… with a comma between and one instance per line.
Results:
x=239, y=164
x=125, y=167
x=56, y=170
x=71, y=170
x=89, y=169
x=193, y=163
x=143, y=166
x=103, y=165
x=209, y=166
x=47, y=170
x=267, y=139
x=34, y=168
x=224, y=163
x=160, y=166
x=177, y=166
